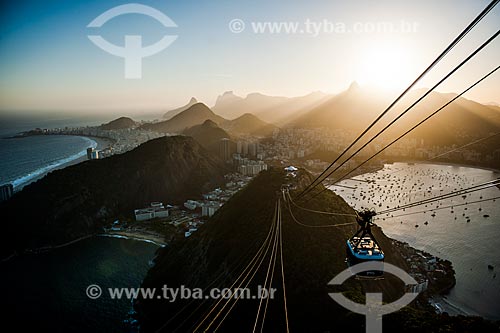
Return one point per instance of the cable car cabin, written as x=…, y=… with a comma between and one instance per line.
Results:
x=363, y=247
x=361, y=250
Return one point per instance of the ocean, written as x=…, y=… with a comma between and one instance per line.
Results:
x=48, y=290
x=26, y=159
x=462, y=235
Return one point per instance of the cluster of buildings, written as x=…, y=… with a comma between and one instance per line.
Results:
x=155, y=210
x=123, y=139
x=215, y=199
x=296, y=143
x=424, y=268
x=248, y=167
x=245, y=148
x=207, y=208
x=245, y=156
x=193, y=212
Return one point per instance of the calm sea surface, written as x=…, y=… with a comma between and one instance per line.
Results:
x=463, y=234
x=25, y=159
x=48, y=290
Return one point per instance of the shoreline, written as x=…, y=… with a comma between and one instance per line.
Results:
x=137, y=236
x=452, y=164
x=101, y=143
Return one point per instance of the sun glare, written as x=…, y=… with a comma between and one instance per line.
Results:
x=385, y=67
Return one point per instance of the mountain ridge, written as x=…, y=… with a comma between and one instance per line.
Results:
x=249, y=124
x=194, y=115
x=119, y=123
x=271, y=109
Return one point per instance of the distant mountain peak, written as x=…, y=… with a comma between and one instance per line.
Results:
x=354, y=86
x=174, y=112
x=227, y=97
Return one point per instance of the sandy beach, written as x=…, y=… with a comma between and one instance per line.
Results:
x=102, y=143
x=138, y=235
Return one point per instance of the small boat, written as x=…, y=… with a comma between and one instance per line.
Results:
x=486, y=215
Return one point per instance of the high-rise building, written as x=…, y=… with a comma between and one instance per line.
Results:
x=92, y=154
x=6, y=191
x=226, y=149
x=95, y=155
x=252, y=149
x=89, y=153
x=244, y=148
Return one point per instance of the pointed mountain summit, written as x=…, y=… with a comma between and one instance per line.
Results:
x=170, y=114
x=354, y=86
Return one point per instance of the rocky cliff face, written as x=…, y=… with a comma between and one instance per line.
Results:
x=78, y=200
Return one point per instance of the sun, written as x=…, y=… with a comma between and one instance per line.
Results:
x=387, y=67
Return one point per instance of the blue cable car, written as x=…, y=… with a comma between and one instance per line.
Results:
x=363, y=247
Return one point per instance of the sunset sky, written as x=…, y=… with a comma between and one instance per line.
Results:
x=48, y=63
